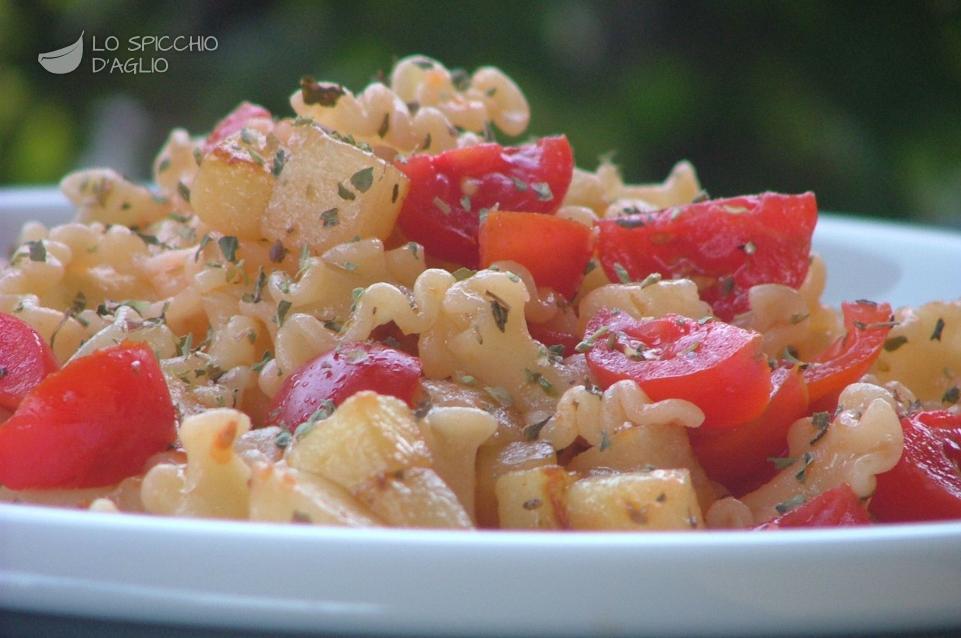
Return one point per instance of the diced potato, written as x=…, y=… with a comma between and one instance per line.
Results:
x=330, y=192
x=231, y=191
x=655, y=500
x=534, y=498
x=647, y=447
x=496, y=461
x=368, y=436
x=283, y=494
x=414, y=498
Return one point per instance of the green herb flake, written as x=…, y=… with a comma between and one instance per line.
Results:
x=264, y=360
x=532, y=431
x=605, y=441
x=500, y=310
x=282, y=309
x=277, y=252
x=185, y=345
x=184, y=191
x=330, y=217
x=228, y=247
x=345, y=193
x=782, y=462
x=519, y=184
x=321, y=93
x=938, y=329
x=806, y=459
x=821, y=421
x=463, y=273
x=37, y=251
x=543, y=191
x=395, y=193
x=589, y=341
x=650, y=280
x=790, y=504
x=414, y=249
x=629, y=222
x=283, y=439
x=355, y=356
x=951, y=396
x=280, y=160
x=727, y=285
x=622, y=274
x=465, y=203
x=467, y=379
x=384, y=126
x=163, y=165
x=798, y=318
x=363, y=179
x=893, y=343
x=589, y=267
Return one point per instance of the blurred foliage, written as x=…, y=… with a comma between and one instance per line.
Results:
x=860, y=102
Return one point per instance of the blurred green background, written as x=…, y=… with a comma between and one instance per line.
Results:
x=860, y=102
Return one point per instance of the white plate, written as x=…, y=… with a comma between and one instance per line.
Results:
x=258, y=576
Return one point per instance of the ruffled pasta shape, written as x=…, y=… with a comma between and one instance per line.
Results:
x=422, y=109
x=863, y=440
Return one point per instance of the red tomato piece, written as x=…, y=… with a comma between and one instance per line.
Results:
x=448, y=191
x=867, y=325
x=234, y=122
x=550, y=337
x=738, y=457
x=732, y=244
x=25, y=359
x=838, y=507
x=92, y=423
x=337, y=375
x=554, y=250
x=925, y=485
x=719, y=367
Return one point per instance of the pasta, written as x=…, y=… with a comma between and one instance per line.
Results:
x=626, y=368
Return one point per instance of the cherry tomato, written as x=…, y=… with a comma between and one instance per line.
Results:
x=838, y=507
x=449, y=191
x=550, y=337
x=25, y=359
x=731, y=244
x=554, y=250
x=867, y=325
x=719, y=367
x=738, y=457
x=339, y=374
x=92, y=423
x=234, y=122
x=925, y=485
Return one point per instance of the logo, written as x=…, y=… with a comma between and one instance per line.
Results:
x=65, y=60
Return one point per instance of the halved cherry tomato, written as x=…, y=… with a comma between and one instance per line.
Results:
x=867, y=324
x=448, y=191
x=554, y=250
x=719, y=367
x=234, y=122
x=738, y=457
x=733, y=244
x=25, y=359
x=92, y=423
x=339, y=374
x=550, y=337
x=838, y=507
x=925, y=485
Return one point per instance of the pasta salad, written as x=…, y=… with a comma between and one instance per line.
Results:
x=371, y=313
